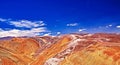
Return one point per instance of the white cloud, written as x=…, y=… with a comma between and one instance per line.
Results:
x=47, y=34
x=72, y=24
x=2, y=20
x=19, y=33
x=118, y=26
x=80, y=30
x=109, y=26
x=27, y=24
x=1, y=29
x=35, y=28
x=58, y=33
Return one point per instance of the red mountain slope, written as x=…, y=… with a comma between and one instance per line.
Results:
x=69, y=49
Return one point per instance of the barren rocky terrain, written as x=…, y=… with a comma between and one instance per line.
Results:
x=67, y=49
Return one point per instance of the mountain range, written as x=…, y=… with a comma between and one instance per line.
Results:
x=67, y=49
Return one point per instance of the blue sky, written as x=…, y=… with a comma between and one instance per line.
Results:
x=58, y=16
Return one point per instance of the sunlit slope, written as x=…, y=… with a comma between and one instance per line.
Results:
x=17, y=51
x=103, y=56
x=51, y=51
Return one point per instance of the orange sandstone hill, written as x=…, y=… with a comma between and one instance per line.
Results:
x=68, y=49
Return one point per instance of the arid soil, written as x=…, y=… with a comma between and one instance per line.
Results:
x=68, y=49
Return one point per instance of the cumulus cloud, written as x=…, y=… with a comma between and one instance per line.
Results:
x=72, y=24
x=118, y=26
x=80, y=30
x=19, y=33
x=27, y=23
